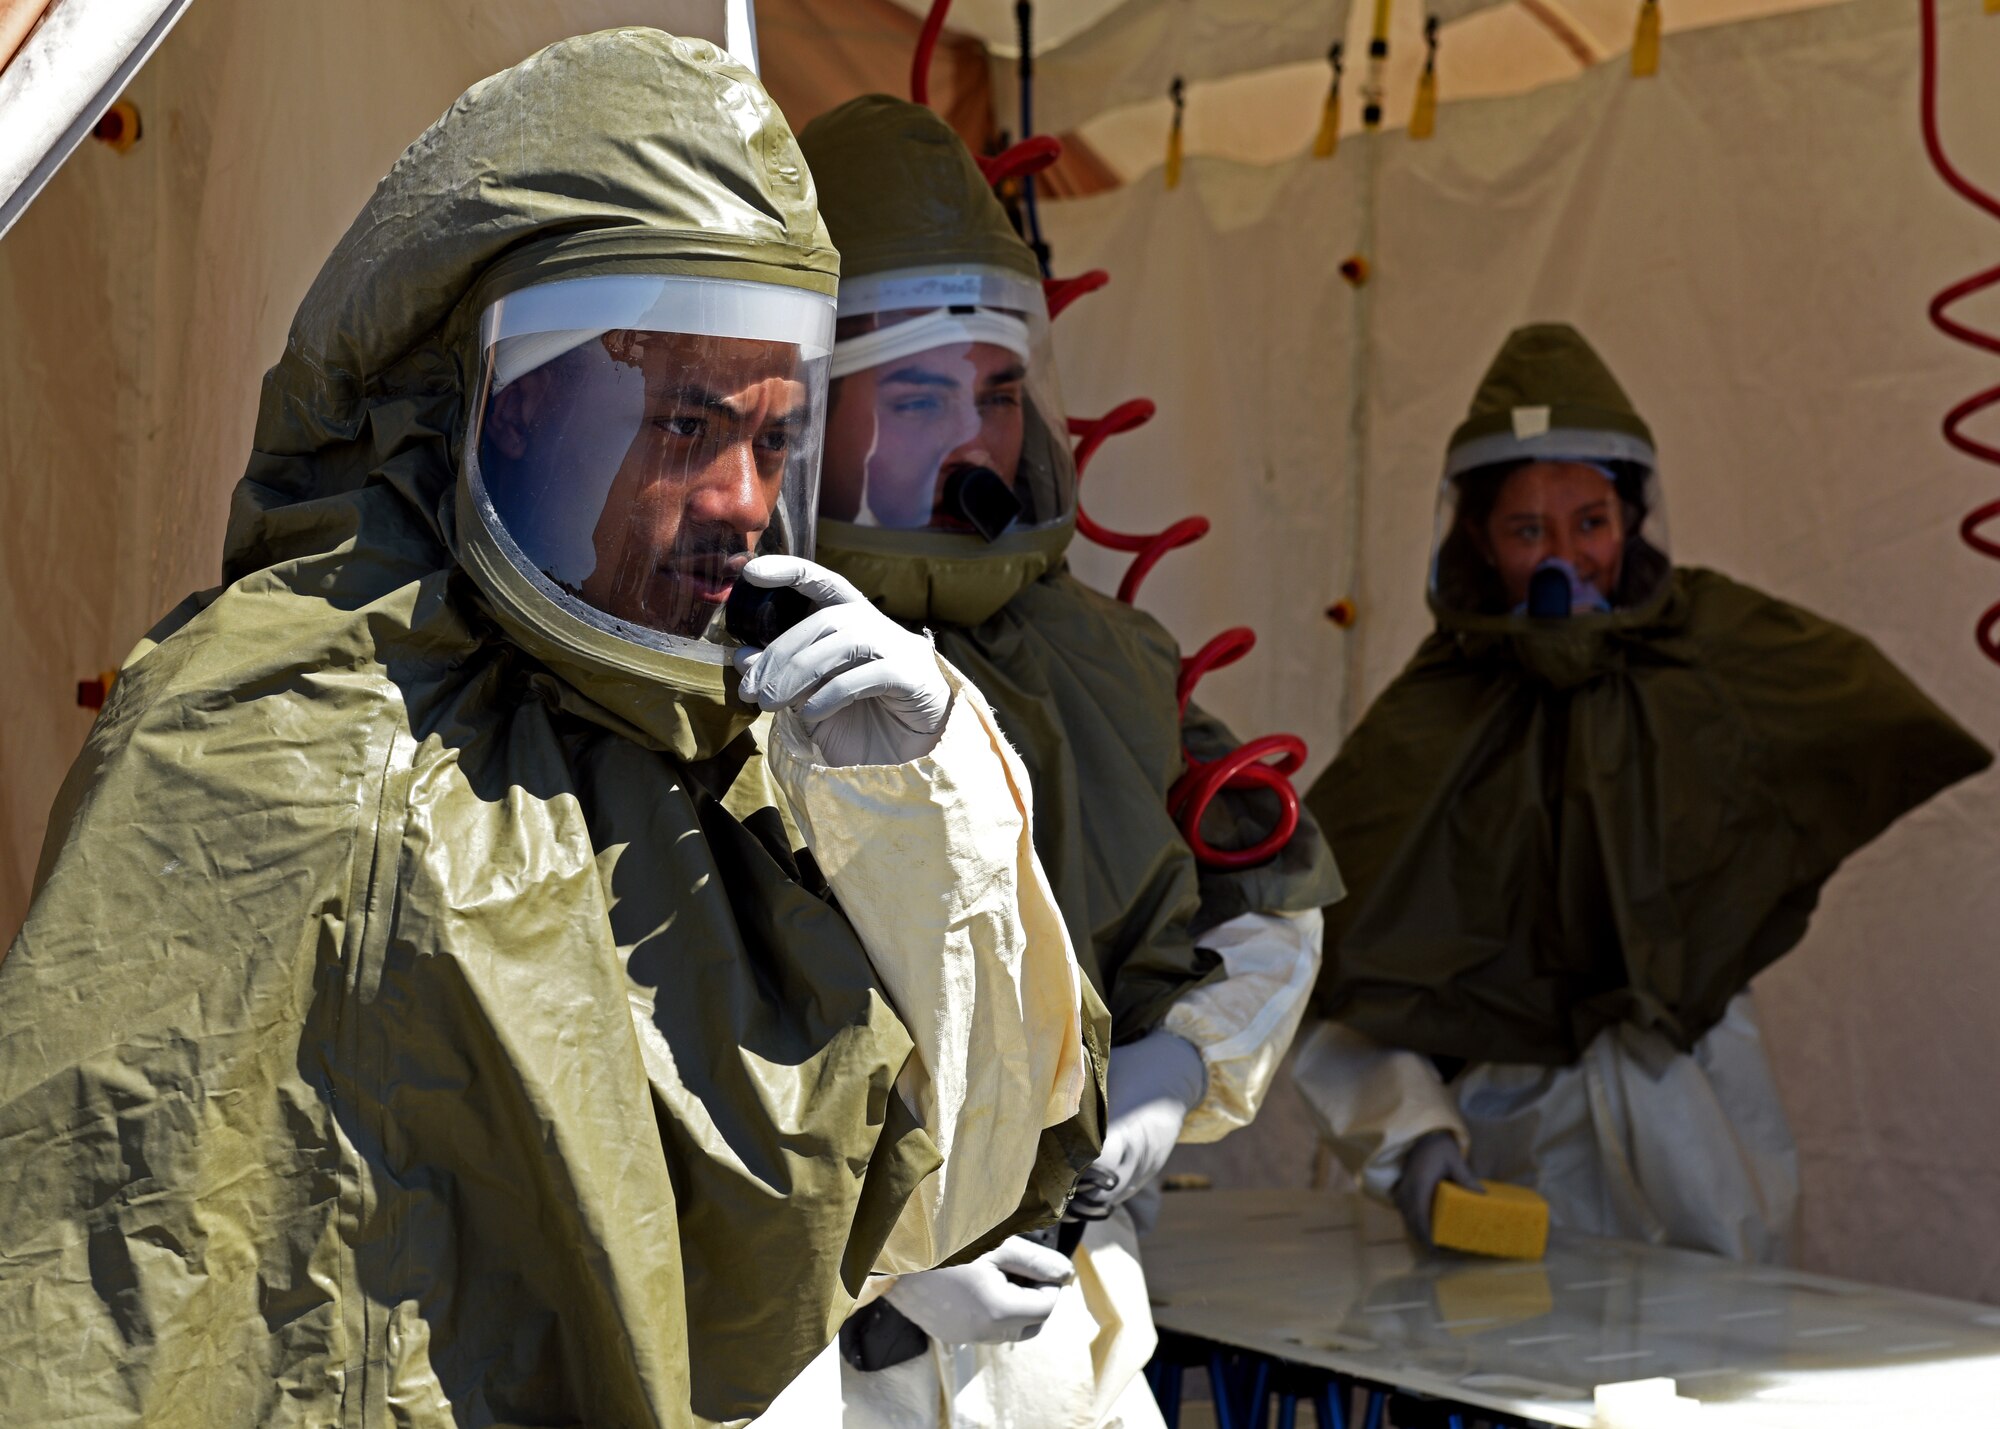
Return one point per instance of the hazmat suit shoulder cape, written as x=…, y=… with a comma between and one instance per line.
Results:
x=1548, y=832
x=1084, y=686
x=1551, y=826
x=405, y=1030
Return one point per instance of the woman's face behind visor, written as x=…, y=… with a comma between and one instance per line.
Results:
x=637, y=469
x=1596, y=528
x=1555, y=511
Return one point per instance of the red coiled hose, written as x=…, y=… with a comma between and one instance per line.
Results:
x=1241, y=768
x=927, y=42
x=1245, y=767
x=1955, y=419
x=1266, y=763
x=1030, y=156
x=1061, y=292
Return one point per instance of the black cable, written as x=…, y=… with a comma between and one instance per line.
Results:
x=1024, y=25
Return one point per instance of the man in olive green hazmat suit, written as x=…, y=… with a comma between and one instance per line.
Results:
x=949, y=497
x=1602, y=797
x=423, y=1017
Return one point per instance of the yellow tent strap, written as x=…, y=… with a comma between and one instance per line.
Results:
x=1177, y=91
x=1423, y=118
x=1328, y=138
x=1646, y=43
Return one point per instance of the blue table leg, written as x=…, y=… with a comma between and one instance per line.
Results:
x=1378, y=1401
x=1165, y=1380
x=1330, y=1404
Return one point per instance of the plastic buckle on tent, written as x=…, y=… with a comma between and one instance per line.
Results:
x=120, y=127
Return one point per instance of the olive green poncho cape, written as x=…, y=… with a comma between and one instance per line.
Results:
x=1549, y=827
x=1084, y=688
x=321, y=1101
x=1530, y=862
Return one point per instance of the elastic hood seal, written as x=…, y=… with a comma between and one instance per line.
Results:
x=945, y=577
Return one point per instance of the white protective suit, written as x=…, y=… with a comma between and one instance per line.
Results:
x=1084, y=1369
x=1635, y=1140
x=934, y=866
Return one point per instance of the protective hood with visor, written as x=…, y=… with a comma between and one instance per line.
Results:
x=1550, y=505
x=948, y=483
x=638, y=438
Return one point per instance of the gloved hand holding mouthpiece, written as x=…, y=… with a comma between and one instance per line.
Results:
x=1433, y=1158
x=1002, y=1297
x=868, y=691
x=1152, y=1085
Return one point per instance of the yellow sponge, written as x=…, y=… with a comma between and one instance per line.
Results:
x=1508, y=1221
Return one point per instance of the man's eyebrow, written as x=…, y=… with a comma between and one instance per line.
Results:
x=1014, y=373
x=695, y=395
x=690, y=394
x=921, y=377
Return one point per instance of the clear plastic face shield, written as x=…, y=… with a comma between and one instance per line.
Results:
x=944, y=413
x=637, y=439
x=1581, y=530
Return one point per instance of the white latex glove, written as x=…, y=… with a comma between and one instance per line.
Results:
x=1151, y=1084
x=982, y=1303
x=869, y=691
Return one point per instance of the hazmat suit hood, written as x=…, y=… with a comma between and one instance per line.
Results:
x=1622, y=815
x=908, y=207
x=1083, y=685
x=693, y=173
x=481, y=1046
x=1548, y=397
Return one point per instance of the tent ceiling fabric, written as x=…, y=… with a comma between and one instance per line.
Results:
x=1256, y=69
x=991, y=22
x=817, y=55
x=1485, y=50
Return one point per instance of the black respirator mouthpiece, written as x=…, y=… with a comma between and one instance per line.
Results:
x=978, y=496
x=1549, y=594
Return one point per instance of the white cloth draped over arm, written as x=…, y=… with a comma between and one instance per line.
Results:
x=1372, y=1102
x=933, y=865
x=1242, y=1022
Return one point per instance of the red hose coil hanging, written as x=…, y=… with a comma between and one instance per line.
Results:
x=1969, y=529
x=1265, y=763
x=1244, y=767
x=927, y=42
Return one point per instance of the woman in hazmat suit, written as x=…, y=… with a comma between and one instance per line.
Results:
x=1601, y=798
x=423, y=1018
x=948, y=497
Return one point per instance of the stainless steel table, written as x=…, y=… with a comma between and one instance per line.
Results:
x=1329, y=1281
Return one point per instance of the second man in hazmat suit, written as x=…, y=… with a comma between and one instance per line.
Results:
x=423, y=1018
x=949, y=497
x=1602, y=797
